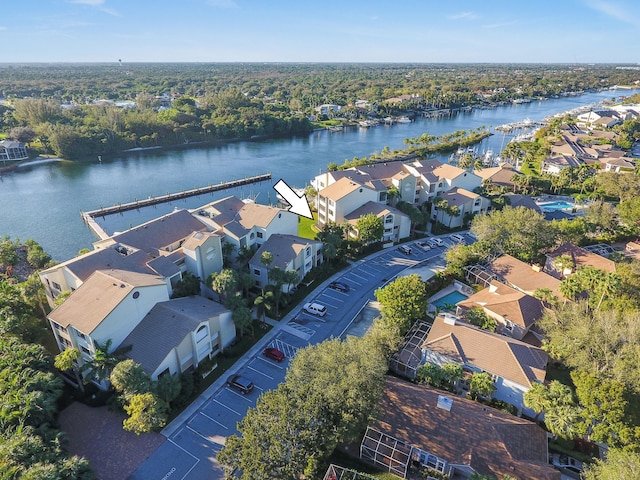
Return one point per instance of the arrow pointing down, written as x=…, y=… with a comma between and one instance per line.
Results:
x=299, y=205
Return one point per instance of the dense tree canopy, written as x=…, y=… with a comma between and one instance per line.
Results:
x=403, y=301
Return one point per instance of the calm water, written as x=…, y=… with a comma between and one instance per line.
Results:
x=44, y=201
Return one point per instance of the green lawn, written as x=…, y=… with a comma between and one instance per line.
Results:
x=306, y=227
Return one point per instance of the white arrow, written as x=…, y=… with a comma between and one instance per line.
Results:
x=298, y=204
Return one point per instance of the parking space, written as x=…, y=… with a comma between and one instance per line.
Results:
x=190, y=452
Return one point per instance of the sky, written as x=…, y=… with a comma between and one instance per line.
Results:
x=403, y=31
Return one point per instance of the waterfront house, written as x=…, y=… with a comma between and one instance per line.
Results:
x=12, y=150
x=290, y=253
x=420, y=425
x=344, y=196
x=513, y=365
x=500, y=176
x=599, y=119
x=244, y=223
x=434, y=178
x=515, y=312
x=328, y=108
x=167, y=246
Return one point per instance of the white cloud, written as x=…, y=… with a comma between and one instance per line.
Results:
x=615, y=11
x=463, y=15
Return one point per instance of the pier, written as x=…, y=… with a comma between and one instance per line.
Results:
x=169, y=197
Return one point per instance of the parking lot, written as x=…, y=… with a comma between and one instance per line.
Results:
x=191, y=447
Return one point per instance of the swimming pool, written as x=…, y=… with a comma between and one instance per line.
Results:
x=449, y=299
x=555, y=206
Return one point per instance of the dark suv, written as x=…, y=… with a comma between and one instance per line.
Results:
x=240, y=383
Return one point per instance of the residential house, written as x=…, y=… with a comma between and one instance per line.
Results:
x=343, y=197
x=13, y=150
x=515, y=200
x=598, y=119
x=179, y=334
x=553, y=164
x=500, y=176
x=167, y=247
x=434, y=178
x=245, y=224
x=468, y=203
x=455, y=436
x=328, y=108
x=514, y=365
x=397, y=225
x=579, y=258
x=515, y=312
x=619, y=164
x=521, y=276
x=290, y=253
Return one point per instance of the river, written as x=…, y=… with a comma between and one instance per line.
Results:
x=43, y=201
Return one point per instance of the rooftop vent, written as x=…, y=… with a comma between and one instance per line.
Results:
x=445, y=402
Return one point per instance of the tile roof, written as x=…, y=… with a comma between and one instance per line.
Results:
x=162, y=231
x=448, y=171
x=165, y=326
x=492, y=442
x=108, y=258
x=238, y=217
x=509, y=303
x=284, y=249
x=382, y=170
x=96, y=298
x=522, y=275
x=458, y=196
x=340, y=189
x=518, y=200
x=500, y=175
x=378, y=209
x=497, y=354
x=582, y=257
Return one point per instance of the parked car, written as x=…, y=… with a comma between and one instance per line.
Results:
x=404, y=249
x=315, y=309
x=240, y=383
x=274, y=354
x=567, y=465
x=423, y=245
x=438, y=242
x=457, y=238
x=339, y=286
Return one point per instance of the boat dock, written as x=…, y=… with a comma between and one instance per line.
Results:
x=169, y=197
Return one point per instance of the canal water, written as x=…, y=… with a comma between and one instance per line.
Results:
x=44, y=201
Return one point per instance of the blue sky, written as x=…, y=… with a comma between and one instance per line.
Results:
x=541, y=31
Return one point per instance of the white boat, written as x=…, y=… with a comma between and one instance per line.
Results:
x=403, y=119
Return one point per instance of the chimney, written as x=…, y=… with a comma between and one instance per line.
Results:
x=493, y=288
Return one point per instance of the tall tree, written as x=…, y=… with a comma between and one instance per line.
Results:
x=403, y=301
x=370, y=228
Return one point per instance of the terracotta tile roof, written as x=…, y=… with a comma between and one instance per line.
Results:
x=492, y=442
x=497, y=354
x=238, y=217
x=509, y=303
x=582, y=257
x=96, y=298
x=522, y=275
x=448, y=171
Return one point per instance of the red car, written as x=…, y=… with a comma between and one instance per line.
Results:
x=274, y=354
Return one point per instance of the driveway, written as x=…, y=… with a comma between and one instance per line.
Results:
x=194, y=438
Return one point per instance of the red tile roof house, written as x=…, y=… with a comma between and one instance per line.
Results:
x=514, y=365
x=422, y=425
x=514, y=311
x=580, y=258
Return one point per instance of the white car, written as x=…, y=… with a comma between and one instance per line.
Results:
x=457, y=238
x=438, y=242
x=423, y=245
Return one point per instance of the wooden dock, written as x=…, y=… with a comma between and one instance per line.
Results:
x=101, y=212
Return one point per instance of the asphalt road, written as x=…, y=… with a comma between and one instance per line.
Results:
x=195, y=437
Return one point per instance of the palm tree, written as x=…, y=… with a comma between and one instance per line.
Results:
x=561, y=420
x=103, y=361
x=68, y=360
x=453, y=211
x=536, y=398
x=266, y=259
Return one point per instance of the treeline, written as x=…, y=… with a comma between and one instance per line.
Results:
x=31, y=445
x=87, y=130
x=301, y=86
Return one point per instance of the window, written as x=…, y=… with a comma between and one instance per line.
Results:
x=57, y=286
x=259, y=234
x=60, y=327
x=256, y=272
x=252, y=236
x=308, y=252
x=164, y=373
x=82, y=335
x=85, y=350
x=136, y=295
x=211, y=253
x=65, y=342
x=201, y=333
x=388, y=219
x=509, y=326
